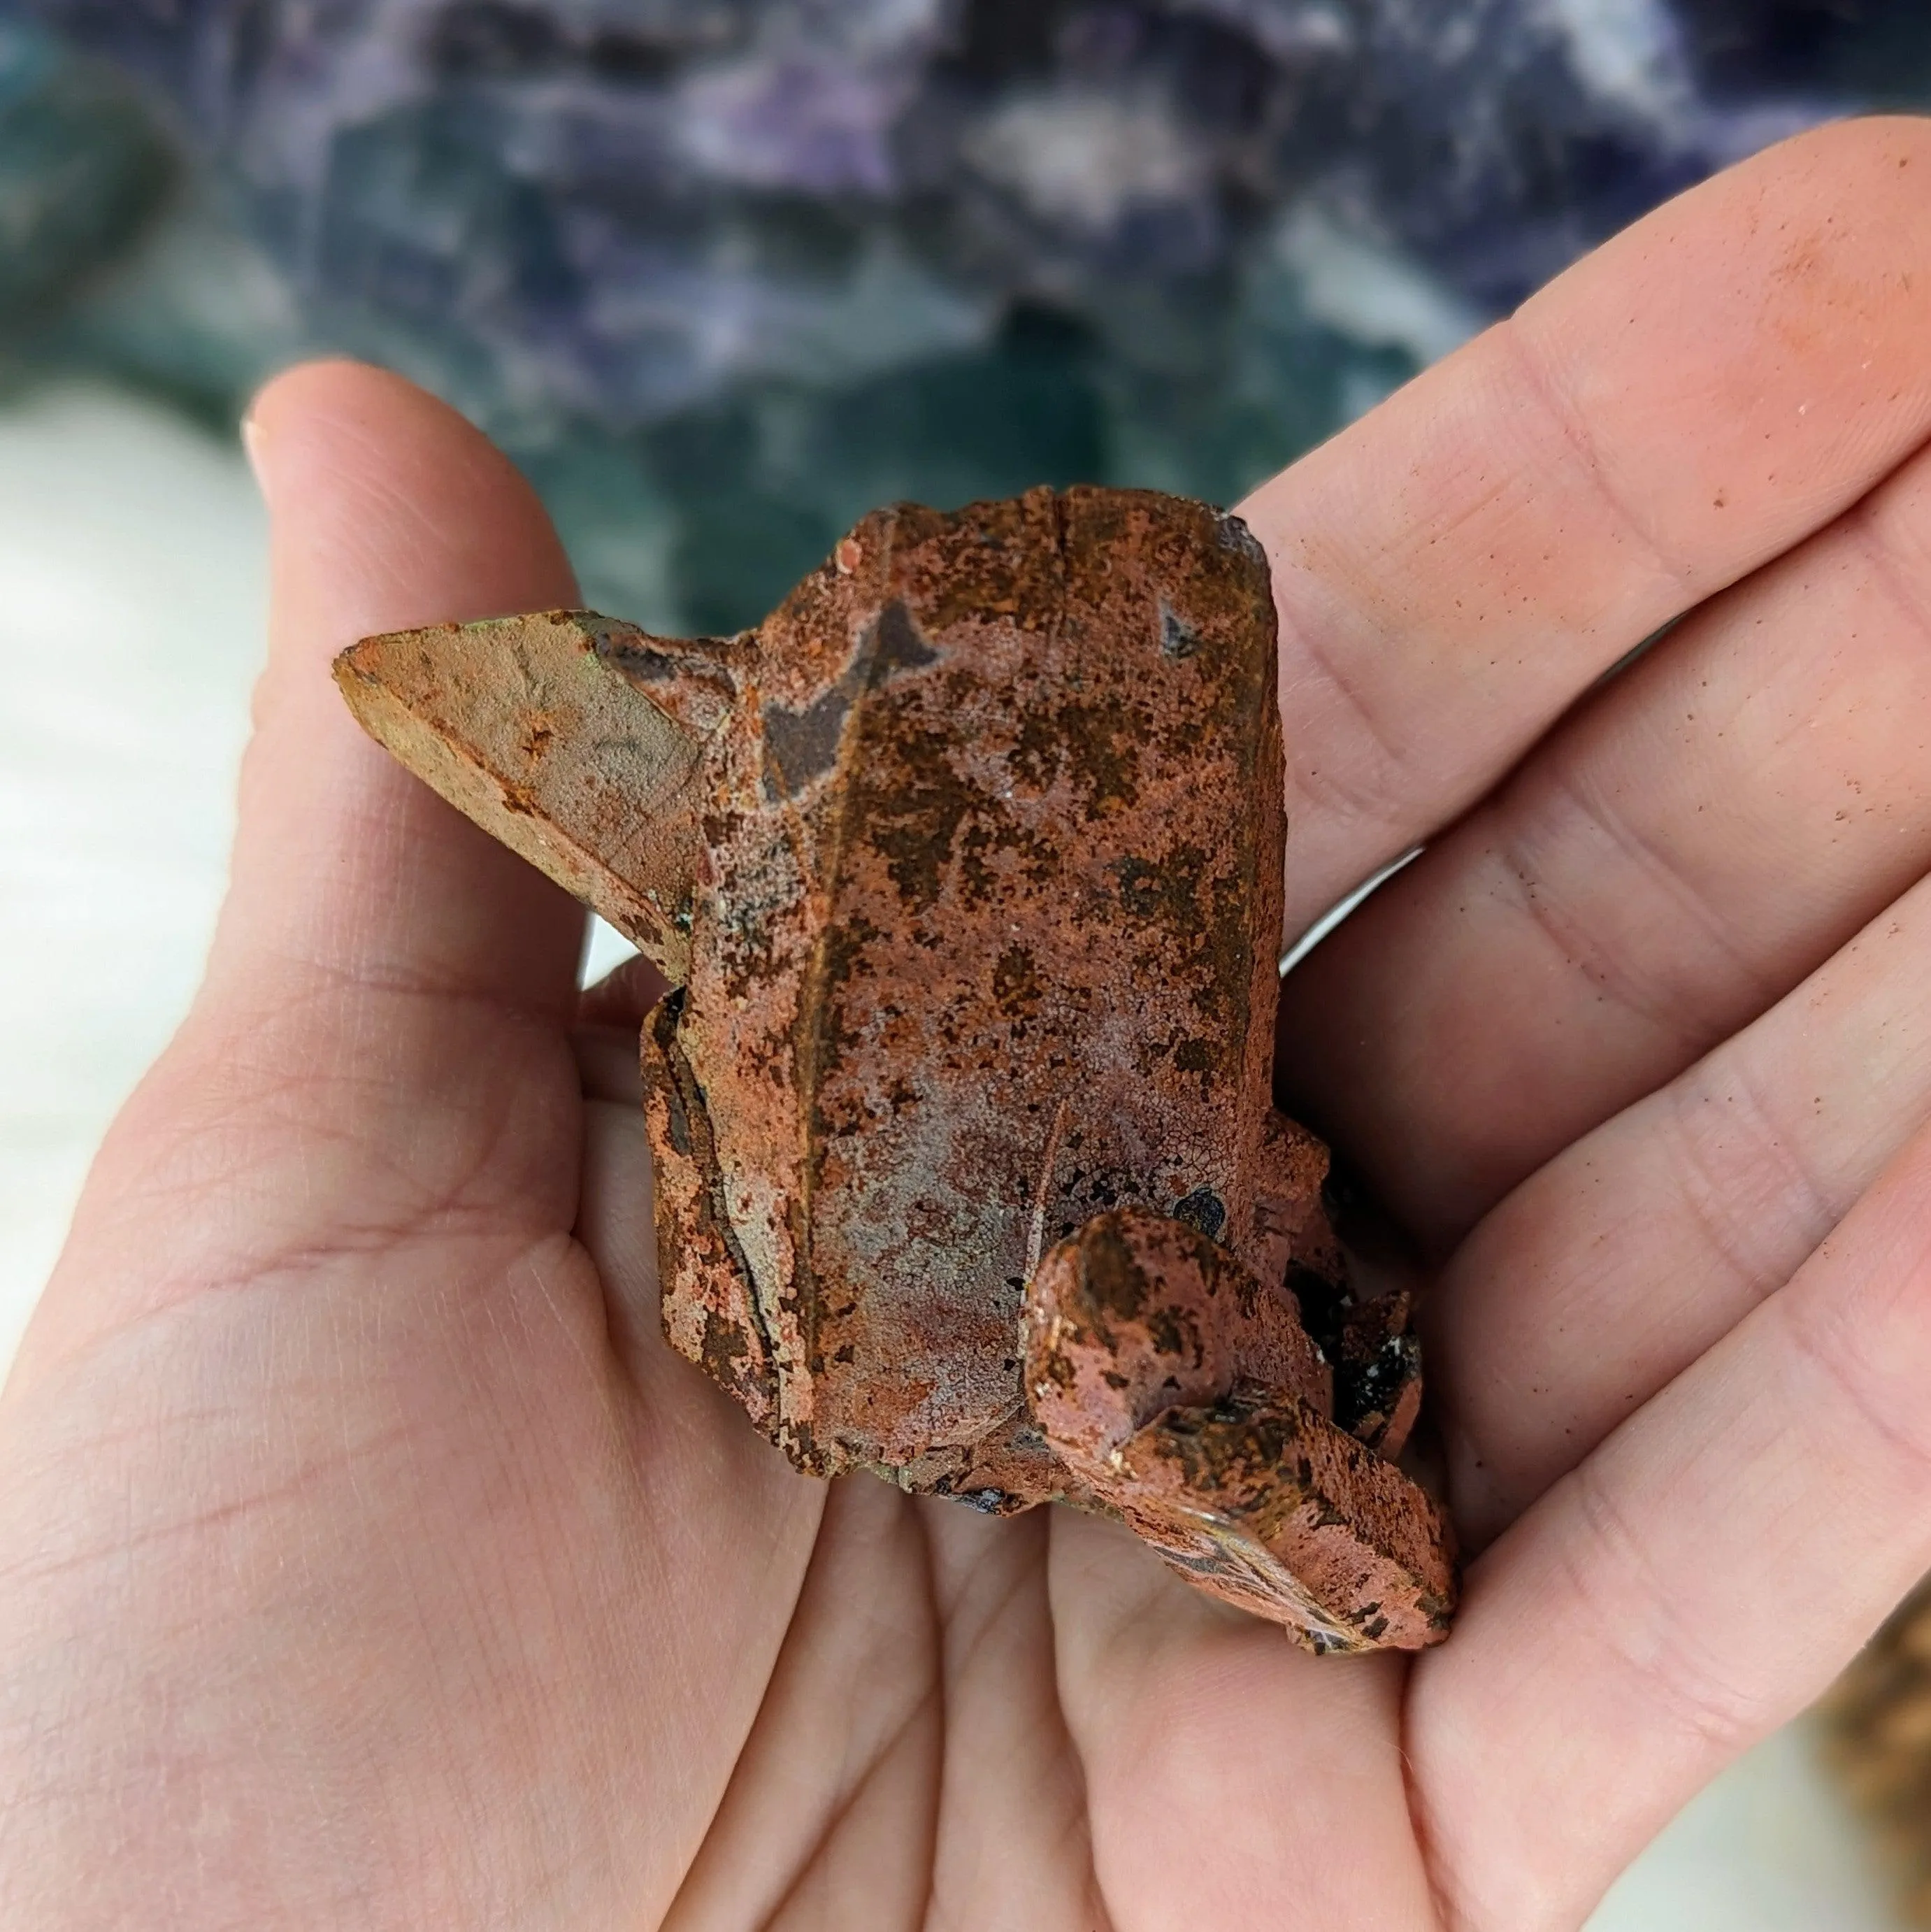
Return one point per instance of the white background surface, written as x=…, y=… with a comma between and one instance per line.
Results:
x=131, y=591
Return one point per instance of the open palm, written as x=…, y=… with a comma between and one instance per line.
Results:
x=365, y=1559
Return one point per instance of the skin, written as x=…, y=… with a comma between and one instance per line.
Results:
x=365, y=1559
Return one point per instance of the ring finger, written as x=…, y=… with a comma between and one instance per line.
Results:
x=1603, y=1276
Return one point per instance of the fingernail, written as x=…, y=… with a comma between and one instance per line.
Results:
x=251, y=448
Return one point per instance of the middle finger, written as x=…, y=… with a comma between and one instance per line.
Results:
x=1700, y=836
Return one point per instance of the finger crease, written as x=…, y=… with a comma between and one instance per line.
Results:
x=1658, y=998
x=1808, y=1339
x=1571, y=423
x=1879, y=551
x=1384, y=794
x=440, y=989
x=1699, y=1701
x=1756, y=1201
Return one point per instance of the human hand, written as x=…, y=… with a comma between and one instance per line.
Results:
x=365, y=1558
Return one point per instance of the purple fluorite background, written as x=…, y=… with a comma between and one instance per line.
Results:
x=747, y=266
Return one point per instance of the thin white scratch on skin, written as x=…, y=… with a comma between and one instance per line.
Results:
x=1036, y=1240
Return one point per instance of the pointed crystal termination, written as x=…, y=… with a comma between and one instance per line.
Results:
x=574, y=739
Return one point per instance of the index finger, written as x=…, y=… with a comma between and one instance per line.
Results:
x=1701, y=393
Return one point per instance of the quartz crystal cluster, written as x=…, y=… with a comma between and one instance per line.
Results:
x=966, y=869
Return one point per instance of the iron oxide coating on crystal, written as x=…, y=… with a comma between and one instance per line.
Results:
x=966, y=867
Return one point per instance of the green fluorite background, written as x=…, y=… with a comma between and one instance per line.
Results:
x=120, y=253
x=1351, y=187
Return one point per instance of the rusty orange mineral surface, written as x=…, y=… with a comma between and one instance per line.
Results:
x=966, y=867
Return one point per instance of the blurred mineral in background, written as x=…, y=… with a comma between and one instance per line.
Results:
x=724, y=274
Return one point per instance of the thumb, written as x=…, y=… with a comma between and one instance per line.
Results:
x=387, y=987
x=387, y=511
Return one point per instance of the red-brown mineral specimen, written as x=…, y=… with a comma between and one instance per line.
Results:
x=1189, y=1397
x=966, y=866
